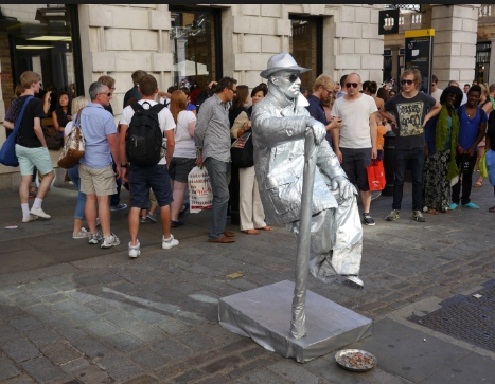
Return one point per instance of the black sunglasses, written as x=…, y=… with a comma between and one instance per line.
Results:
x=292, y=77
x=103, y=93
x=407, y=81
x=353, y=85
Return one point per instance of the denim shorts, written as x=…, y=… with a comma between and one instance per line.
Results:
x=354, y=163
x=141, y=179
x=180, y=168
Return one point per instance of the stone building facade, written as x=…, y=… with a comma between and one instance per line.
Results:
x=117, y=39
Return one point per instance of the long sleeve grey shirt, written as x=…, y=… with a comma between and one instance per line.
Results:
x=212, y=132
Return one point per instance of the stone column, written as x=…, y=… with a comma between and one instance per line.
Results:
x=491, y=74
x=455, y=42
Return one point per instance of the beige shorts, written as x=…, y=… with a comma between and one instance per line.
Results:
x=99, y=182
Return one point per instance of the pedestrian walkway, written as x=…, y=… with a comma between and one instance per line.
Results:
x=71, y=312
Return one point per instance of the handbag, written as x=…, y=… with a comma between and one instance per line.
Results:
x=376, y=175
x=200, y=192
x=241, y=152
x=7, y=152
x=74, y=146
x=53, y=139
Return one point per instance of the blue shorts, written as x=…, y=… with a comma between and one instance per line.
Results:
x=141, y=179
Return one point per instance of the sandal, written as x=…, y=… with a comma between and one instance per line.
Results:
x=432, y=211
x=479, y=183
x=492, y=209
x=251, y=232
x=265, y=228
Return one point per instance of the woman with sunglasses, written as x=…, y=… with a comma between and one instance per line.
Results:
x=441, y=135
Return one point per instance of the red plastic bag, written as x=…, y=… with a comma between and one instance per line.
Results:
x=376, y=175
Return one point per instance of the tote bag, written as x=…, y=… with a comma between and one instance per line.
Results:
x=376, y=175
x=200, y=193
x=7, y=152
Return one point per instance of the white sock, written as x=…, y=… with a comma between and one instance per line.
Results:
x=25, y=209
x=37, y=203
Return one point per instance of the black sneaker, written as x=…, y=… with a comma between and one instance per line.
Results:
x=368, y=220
x=177, y=223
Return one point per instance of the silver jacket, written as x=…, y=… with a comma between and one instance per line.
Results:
x=278, y=128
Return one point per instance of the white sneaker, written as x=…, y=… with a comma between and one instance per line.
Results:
x=29, y=218
x=169, y=243
x=80, y=235
x=39, y=212
x=110, y=241
x=134, y=250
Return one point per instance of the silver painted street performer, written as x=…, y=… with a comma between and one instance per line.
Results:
x=280, y=125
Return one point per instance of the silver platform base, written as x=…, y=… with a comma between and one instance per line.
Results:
x=263, y=314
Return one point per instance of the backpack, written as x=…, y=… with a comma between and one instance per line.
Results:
x=143, y=139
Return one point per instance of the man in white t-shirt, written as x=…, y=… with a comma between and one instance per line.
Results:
x=142, y=177
x=355, y=141
x=435, y=91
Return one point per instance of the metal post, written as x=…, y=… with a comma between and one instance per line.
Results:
x=297, y=324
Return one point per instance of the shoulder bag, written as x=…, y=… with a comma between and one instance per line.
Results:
x=7, y=152
x=74, y=146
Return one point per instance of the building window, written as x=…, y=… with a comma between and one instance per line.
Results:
x=196, y=44
x=305, y=44
x=44, y=45
x=483, y=53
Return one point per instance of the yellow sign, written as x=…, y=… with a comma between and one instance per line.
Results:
x=419, y=33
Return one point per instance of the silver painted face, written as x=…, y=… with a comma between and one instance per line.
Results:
x=288, y=82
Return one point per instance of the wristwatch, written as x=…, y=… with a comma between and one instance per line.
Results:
x=123, y=165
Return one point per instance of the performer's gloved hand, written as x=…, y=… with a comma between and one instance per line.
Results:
x=319, y=131
x=346, y=188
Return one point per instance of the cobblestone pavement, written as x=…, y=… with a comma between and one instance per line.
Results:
x=73, y=313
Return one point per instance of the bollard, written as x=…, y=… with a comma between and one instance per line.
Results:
x=388, y=162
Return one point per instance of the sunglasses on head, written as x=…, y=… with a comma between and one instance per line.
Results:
x=353, y=85
x=292, y=77
x=406, y=81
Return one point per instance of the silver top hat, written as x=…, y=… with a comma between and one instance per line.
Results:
x=280, y=62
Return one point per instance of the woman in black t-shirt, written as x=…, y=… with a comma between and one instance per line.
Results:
x=61, y=114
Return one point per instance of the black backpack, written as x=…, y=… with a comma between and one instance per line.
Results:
x=143, y=139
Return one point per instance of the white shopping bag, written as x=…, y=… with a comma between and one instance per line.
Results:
x=200, y=193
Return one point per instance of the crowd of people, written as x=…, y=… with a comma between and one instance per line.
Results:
x=439, y=137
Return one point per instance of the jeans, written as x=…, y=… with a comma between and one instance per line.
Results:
x=415, y=159
x=81, y=197
x=115, y=199
x=466, y=179
x=219, y=173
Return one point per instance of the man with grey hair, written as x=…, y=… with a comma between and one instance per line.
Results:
x=95, y=168
x=280, y=123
